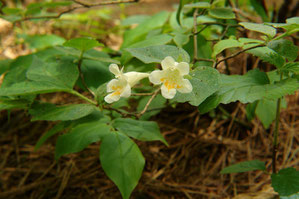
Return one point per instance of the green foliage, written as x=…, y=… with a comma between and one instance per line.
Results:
x=46, y=111
x=222, y=13
x=155, y=54
x=225, y=44
x=181, y=5
x=285, y=48
x=141, y=130
x=265, y=29
x=286, y=181
x=139, y=33
x=198, y=5
x=268, y=55
x=80, y=137
x=292, y=67
x=58, y=127
x=42, y=41
x=248, y=88
x=205, y=82
x=82, y=43
x=122, y=161
x=244, y=167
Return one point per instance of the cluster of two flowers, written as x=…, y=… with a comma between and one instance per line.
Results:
x=171, y=77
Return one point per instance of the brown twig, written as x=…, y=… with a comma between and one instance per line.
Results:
x=82, y=5
x=236, y=54
x=148, y=103
x=81, y=74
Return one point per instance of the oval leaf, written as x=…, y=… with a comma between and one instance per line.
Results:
x=205, y=82
x=82, y=43
x=286, y=181
x=80, y=137
x=244, y=166
x=122, y=161
x=141, y=130
x=155, y=54
x=265, y=29
x=222, y=13
x=51, y=112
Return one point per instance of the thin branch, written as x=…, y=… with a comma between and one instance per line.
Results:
x=195, y=35
x=124, y=114
x=82, y=5
x=236, y=54
x=148, y=103
x=276, y=131
x=83, y=97
x=81, y=74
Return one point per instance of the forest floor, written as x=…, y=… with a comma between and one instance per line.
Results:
x=199, y=147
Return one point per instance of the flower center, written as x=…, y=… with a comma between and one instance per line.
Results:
x=171, y=79
x=117, y=90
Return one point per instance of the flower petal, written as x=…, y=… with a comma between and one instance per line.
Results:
x=186, y=86
x=111, y=98
x=110, y=84
x=135, y=77
x=167, y=93
x=167, y=62
x=155, y=77
x=126, y=91
x=183, y=67
x=113, y=68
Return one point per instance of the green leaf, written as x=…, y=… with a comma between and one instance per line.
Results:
x=181, y=39
x=285, y=48
x=11, y=11
x=14, y=104
x=51, y=112
x=31, y=87
x=141, y=130
x=222, y=13
x=250, y=110
x=224, y=44
x=42, y=41
x=205, y=82
x=122, y=161
x=155, y=54
x=82, y=43
x=153, y=41
x=80, y=137
x=265, y=29
x=259, y=9
x=292, y=67
x=95, y=73
x=153, y=109
x=181, y=5
x=198, y=5
x=57, y=128
x=293, y=20
x=248, y=88
x=286, y=181
x=61, y=73
x=139, y=33
x=244, y=167
x=266, y=112
x=268, y=55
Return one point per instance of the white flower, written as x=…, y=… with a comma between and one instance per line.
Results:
x=171, y=77
x=122, y=84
